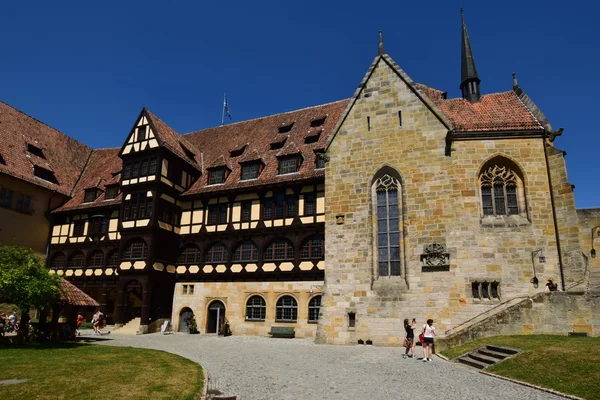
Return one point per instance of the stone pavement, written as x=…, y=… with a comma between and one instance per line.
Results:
x=257, y=368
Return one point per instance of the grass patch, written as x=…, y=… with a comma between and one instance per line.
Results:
x=569, y=365
x=80, y=371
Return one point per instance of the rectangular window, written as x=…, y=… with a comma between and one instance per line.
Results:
x=320, y=160
x=44, y=174
x=135, y=170
x=36, y=151
x=6, y=198
x=309, y=204
x=24, y=204
x=185, y=289
x=111, y=192
x=144, y=168
x=249, y=171
x=191, y=289
x=152, y=166
x=127, y=171
x=217, y=214
x=290, y=210
x=246, y=211
x=400, y=118
x=216, y=176
x=511, y=198
x=78, y=227
x=268, y=209
x=351, y=320
x=90, y=195
x=288, y=165
x=279, y=204
x=499, y=202
x=142, y=132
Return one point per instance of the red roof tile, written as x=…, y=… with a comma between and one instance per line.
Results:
x=74, y=296
x=98, y=174
x=259, y=134
x=433, y=94
x=65, y=156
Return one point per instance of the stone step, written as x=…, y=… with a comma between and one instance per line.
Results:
x=467, y=360
x=483, y=359
x=502, y=350
x=493, y=354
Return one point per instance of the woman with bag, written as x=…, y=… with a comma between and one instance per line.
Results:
x=409, y=341
x=428, y=334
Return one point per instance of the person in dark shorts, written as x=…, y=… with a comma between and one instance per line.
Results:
x=409, y=340
x=429, y=333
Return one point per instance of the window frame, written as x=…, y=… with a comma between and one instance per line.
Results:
x=247, y=167
x=288, y=165
x=6, y=197
x=314, y=309
x=214, y=179
x=253, y=309
x=94, y=261
x=500, y=190
x=188, y=258
x=388, y=234
x=312, y=251
x=281, y=309
x=211, y=254
x=88, y=193
x=108, y=195
x=76, y=260
x=239, y=252
x=136, y=249
x=79, y=228
x=289, y=252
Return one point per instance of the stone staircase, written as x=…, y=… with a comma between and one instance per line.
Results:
x=488, y=355
x=130, y=328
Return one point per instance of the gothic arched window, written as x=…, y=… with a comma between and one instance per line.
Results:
x=499, y=191
x=388, y=225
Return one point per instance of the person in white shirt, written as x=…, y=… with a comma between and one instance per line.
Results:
x=429, y=333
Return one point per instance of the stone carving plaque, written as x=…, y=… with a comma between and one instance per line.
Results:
x=435, y=258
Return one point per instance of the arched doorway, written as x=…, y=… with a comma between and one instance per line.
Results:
x=185, y=313
x=215, y=319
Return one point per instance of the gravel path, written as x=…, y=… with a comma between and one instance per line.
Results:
x=257, y=368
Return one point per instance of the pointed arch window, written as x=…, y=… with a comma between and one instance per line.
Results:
x=499, y=191
x=388, y=225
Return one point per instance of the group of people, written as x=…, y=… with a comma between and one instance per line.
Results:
x=426, y=336
x=8, y=323
x=97, y=322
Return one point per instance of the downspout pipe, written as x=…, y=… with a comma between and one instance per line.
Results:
x=556, y=233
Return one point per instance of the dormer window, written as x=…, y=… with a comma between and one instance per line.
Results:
x=286, y=128
x=36, y=151
x=188, y=153
x=2, y=160
x=289, y=165
x=238, y=151
x=90, y=195
x=313, y=137
x=320, y=163
x=278, y=144
x=142, y=132
x=216, y=176
x=250, y=170
x=44, y=174
x=111, y=192
x=317, y=122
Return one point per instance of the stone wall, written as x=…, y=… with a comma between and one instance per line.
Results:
x=440, y=203
x=234, y=296
x=588, y=219
x=554, y=313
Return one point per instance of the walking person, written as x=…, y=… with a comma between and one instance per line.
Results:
x=95, y=323
x=2, y=323
x=79, y=322
x=409, y=339
x=413, y=326
x=429, y=333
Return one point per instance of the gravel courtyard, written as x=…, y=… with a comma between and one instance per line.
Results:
x=257, y=368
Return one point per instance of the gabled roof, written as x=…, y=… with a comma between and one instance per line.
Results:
x=259, y=134
x=97, y=173
x=64, y=156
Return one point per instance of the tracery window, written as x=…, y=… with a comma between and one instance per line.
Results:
x=287, y=309
x=388, y=225
x=499, y=191
x=136, y=250
x=280, y=249
x=217, y=253
x=246, y=252
x=190, y=255
x=256, y=309
x=313, y=248
x=314, y=305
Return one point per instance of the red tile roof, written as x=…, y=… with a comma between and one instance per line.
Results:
x=494, y=112
x=433, y=94
x=98, y=173
x=65, y=156
x=74, y=296
x=259, y=133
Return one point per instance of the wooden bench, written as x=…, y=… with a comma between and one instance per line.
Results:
x=282, y=331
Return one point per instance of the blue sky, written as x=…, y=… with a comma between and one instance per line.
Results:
x=88, y=69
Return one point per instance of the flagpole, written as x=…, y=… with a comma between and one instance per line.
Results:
x=224, y=104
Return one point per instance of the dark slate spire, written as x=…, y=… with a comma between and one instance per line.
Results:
x=469, y=84
x=381, y=50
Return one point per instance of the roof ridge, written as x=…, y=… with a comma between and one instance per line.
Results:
x=265, y=116
x=43, y=123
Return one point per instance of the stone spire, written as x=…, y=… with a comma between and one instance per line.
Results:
x=381, y=50
x=469, y=84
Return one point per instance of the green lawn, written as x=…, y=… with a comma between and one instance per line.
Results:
x=569, y=365
x=80, y=371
